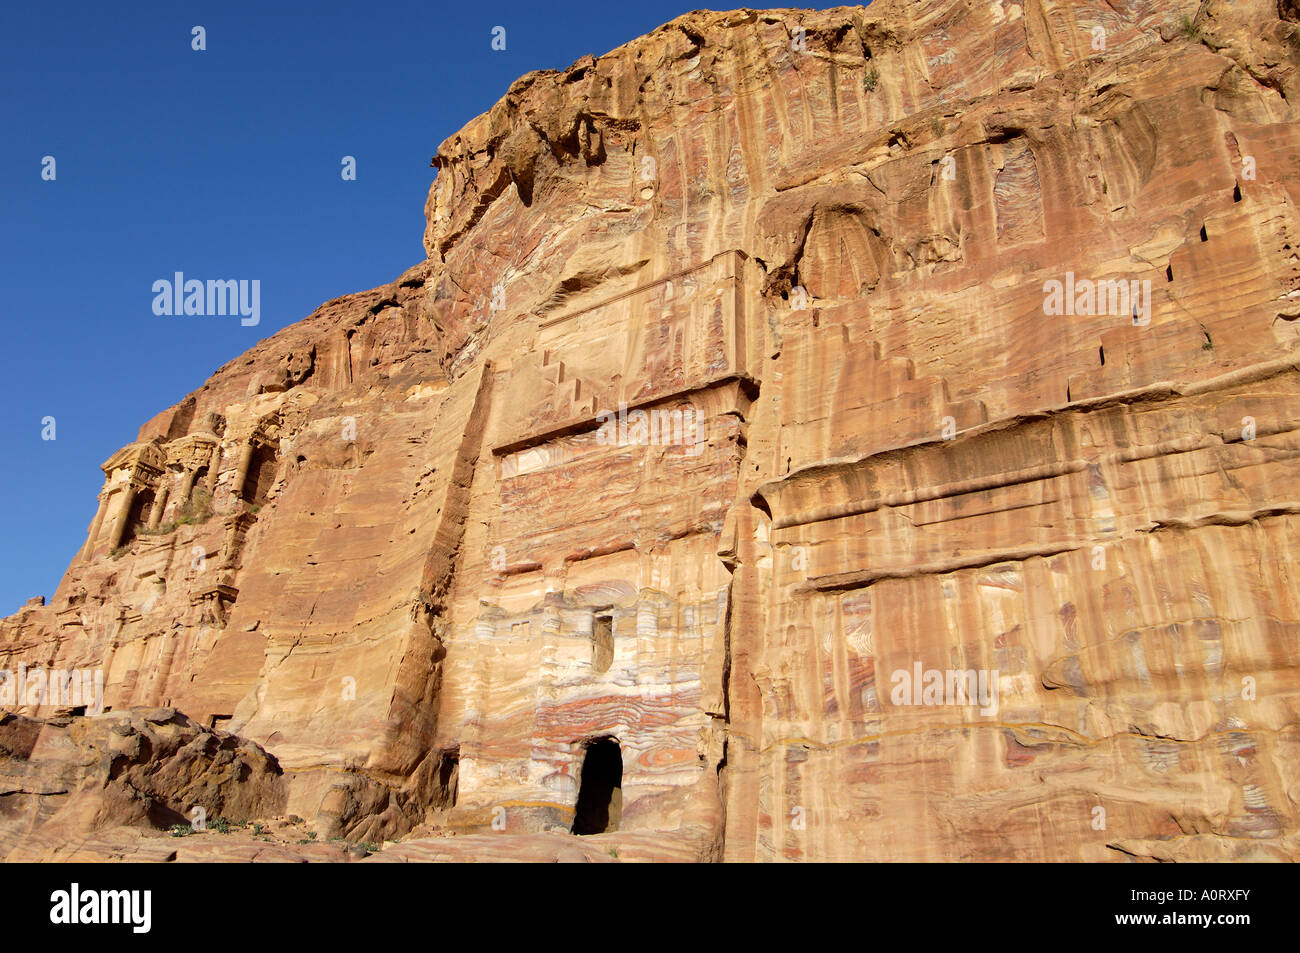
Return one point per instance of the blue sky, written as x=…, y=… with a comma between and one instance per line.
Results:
x=225, y=164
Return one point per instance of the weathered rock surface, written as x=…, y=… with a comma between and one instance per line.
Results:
x=69, y=777
x=803, y=259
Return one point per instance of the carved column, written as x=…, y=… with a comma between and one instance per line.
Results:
x=123, y=514
x=159, y=504
x=241, y=473
x=214, y=464
x=95, y=525
x=187, y=484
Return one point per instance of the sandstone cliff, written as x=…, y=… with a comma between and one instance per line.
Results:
x=728, y=400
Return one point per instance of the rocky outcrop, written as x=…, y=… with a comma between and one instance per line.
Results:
x=66, y=778
x=757, y=370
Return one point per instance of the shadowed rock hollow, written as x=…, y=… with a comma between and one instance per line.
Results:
x=729, y=402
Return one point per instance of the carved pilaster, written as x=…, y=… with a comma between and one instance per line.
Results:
x=159, y=504
x=95, y=524
x=187, y=485
x=241, y=472
x=123, y=514
x=214, y=465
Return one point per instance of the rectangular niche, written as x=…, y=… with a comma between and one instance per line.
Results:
x=602, y=640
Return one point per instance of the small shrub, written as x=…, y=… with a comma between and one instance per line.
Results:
x=871, y=79
x=1187, y=26
x=180, y=830
x=196, y=509
x=221, y=826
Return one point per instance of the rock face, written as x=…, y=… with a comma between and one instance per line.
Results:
x=859, y=434
x=68, y=777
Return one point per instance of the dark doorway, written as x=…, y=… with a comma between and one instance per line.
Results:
x=261, y=475
x=444, y=795
x=137, y=517
x=600, y=789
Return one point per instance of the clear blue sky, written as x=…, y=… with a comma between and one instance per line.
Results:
x=222, y=163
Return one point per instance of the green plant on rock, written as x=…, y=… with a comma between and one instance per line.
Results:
x=871, y=79
x=196, y=509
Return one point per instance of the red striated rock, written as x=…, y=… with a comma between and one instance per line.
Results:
x=731, y=400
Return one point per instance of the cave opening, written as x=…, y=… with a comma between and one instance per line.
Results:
x=448, y=784
x=600, y=788
x=261, y=475
x=137, y=517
